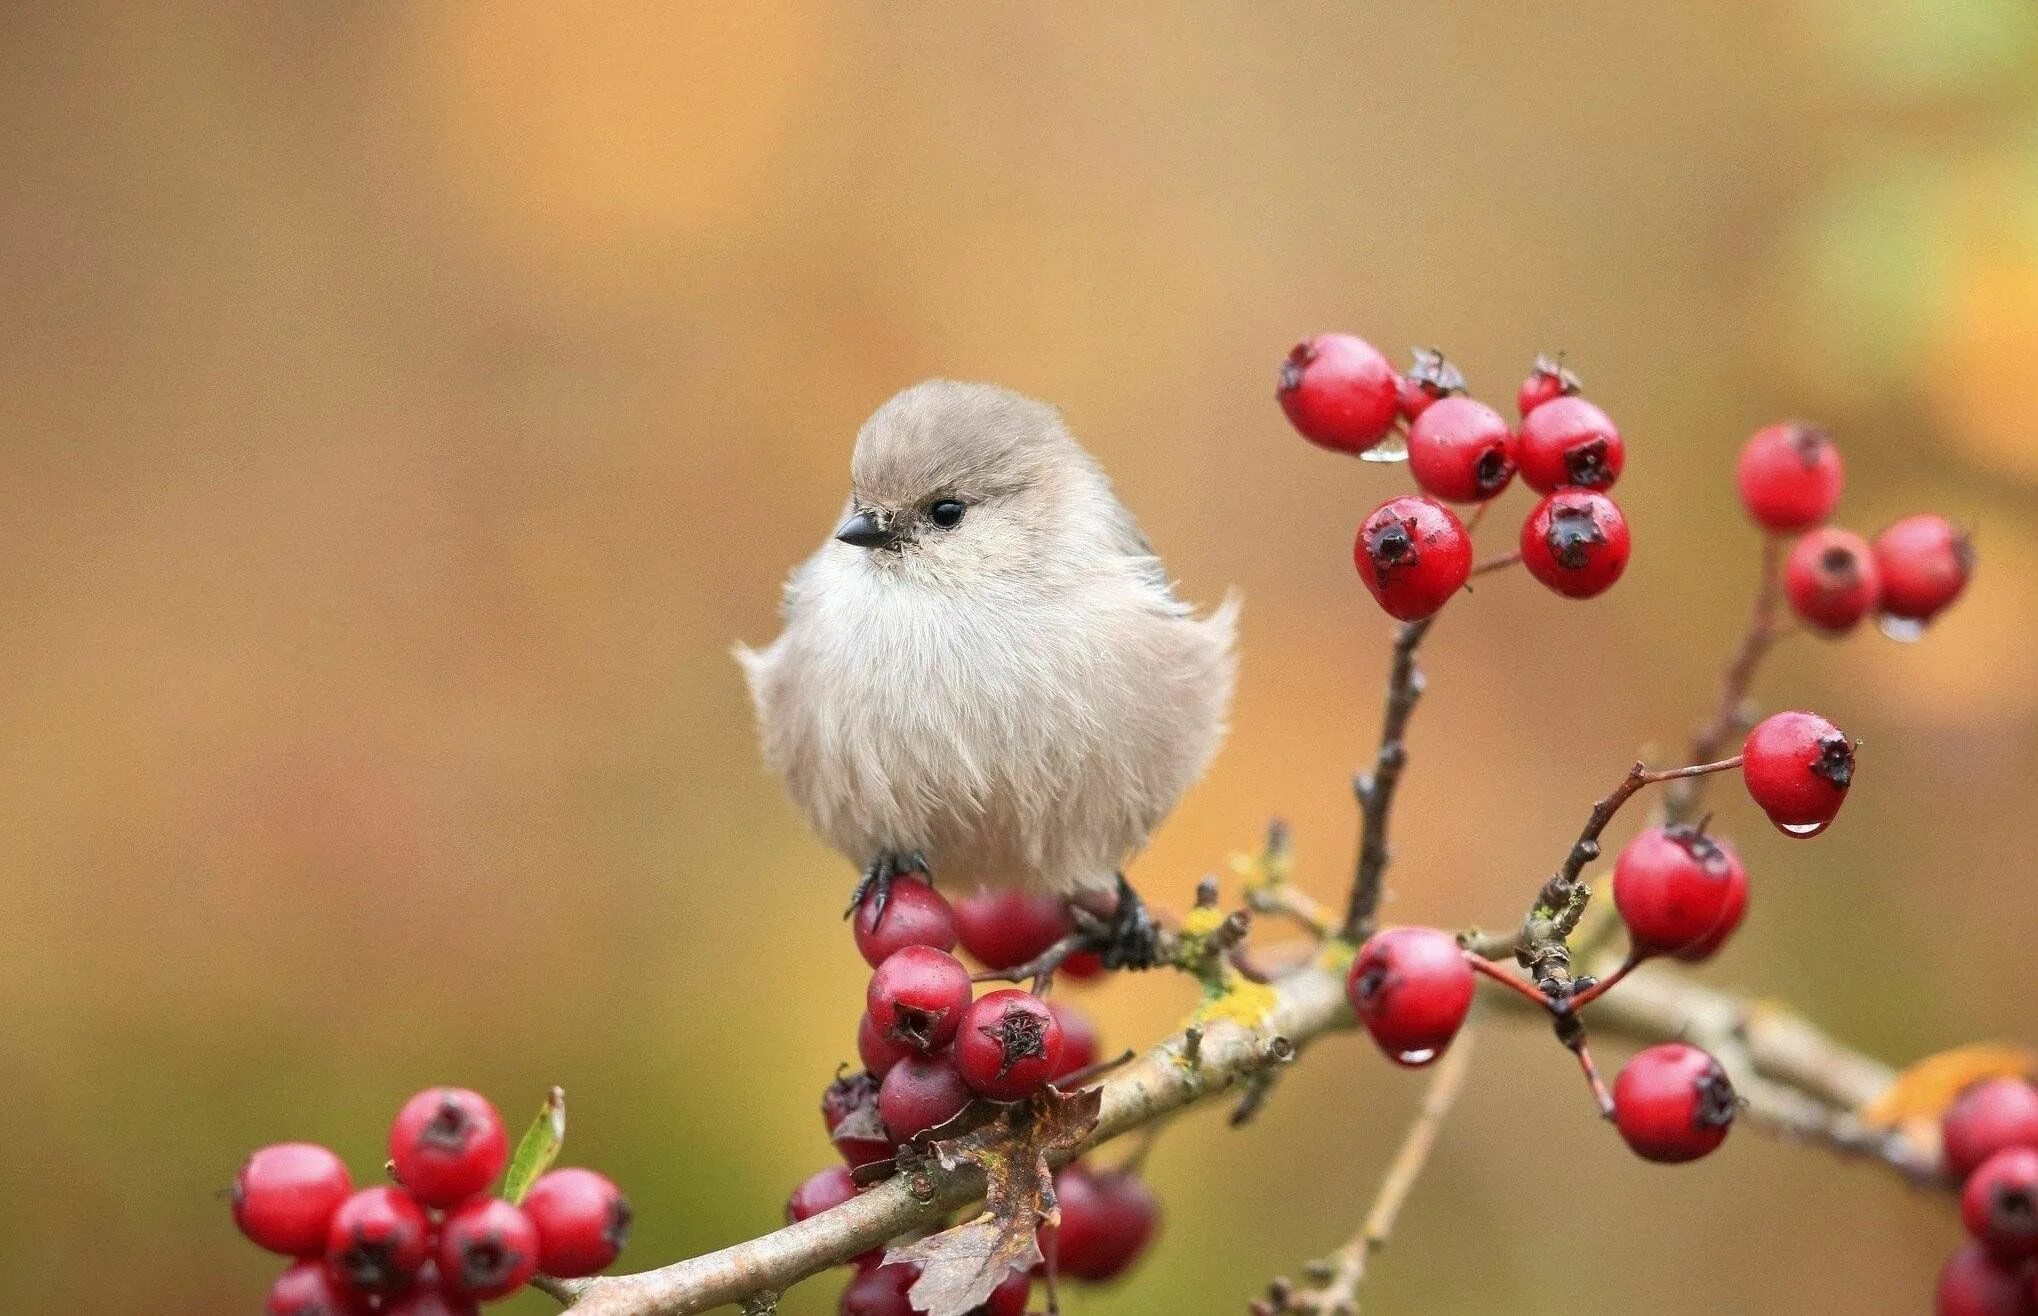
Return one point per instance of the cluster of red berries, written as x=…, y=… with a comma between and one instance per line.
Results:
x=1990, y=1135
x=1413, y=552
x=931, y=1051
x=434, y=1244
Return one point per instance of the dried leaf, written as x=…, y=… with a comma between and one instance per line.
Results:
x=1923, y=1091
x=960, y=1267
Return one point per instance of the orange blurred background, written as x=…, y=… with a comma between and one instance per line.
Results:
x=403, y=409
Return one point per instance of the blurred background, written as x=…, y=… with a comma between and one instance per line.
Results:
x=403, y=409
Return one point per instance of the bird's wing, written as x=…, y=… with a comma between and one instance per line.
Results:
x=1128, y=539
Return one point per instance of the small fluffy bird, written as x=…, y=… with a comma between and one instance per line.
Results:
x=985, y=674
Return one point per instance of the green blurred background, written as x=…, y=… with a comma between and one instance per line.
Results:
x=403, y=409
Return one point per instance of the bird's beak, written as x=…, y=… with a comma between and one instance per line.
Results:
x=863, y=530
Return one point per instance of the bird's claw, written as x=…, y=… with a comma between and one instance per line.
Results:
x=1132, y=940
x=877, y=880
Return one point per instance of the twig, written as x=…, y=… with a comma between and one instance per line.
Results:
x=1375, y=789
x=1765, y=627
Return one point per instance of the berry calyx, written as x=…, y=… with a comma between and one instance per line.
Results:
x=1680, y=891
x=1567, y=442
x=582, y=1220
x=1999, y=1204
x=1411, y=988
x=1798, y=766
x=1458, y=450
x=1972, y=1283
x=378, y=1240
x=1430, y=379
x=1547, y=381
x=917, y=997
x=1673, y=1103
x=921, y=1093
x=1108, y=1217
x=1009, y=1044
x=1789, y=476
x=309, y=1288
x=284, y=1197
x=1986, y=1118
x=1004, y=927
x=915, y=914
x=1413, y=553
x=1925, y=563
x=823, y=1190
x=487, y=1249
x=448, y=1145
x=1078, y=1041
x=1340, y=392
x=1831, y=579
x=849, y=1110
x=877, y=1051
x=1576, y=543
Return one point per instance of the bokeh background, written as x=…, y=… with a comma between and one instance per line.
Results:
x=403, y=409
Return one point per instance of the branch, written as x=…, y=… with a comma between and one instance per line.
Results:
x=1729, y=717
x=1375, y=789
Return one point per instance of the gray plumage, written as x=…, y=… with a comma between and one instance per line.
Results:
x=1019, y=697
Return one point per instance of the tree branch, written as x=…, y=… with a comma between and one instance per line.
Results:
x=1375, y=789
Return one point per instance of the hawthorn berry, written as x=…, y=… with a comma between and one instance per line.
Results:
x=1108, y=1217
x=1340, y=392
x=1831, y=579
x=310, y=1288
x=1986, y=1118
x=1575, y=542
x=877, y=1051
x=1411, y=988
x=448, y=1145
x=1078, y=1041
x=582, y=1220
x=1789, y=476
x=1546, y=381
x=1972, y=1283
x=1678, y=890
x=1999, y=1204
x=1458, y=450
x=1005, y=927
x=823, y=1190
x=881, y=1291
x=1797, y=767
x=1925, y=564
x=1009, y=1044
x=487, y=1248
x=920, y=1093
x=915, y=914
x=284, y=1197
x=1567, y=442
x=1430, y=379
x=431, y=1300
x=849, y=1110
x=1673, y=1103
x=379, y=1239
x=917, y=996
x=1413, y=553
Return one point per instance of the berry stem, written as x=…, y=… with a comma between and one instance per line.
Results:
x=1604, y=985
x=1375, y=789
x=1600, y=1096
x=1507, y=980
x=1498, y=562
x=1729, y=717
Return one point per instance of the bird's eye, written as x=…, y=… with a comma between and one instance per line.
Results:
x=945, y=513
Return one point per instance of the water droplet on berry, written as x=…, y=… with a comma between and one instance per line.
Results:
x=1904, y=630
x=1393, y=448
x=1803, y=829
x=1419, y=1057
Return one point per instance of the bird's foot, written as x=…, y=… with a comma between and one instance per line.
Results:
x=877, y=879
x=1131, y=938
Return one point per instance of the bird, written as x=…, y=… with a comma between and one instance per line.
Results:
x=985, y=674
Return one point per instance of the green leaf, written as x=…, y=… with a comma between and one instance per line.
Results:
x=537, y=1149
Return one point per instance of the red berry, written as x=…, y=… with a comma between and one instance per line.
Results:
x=915, y=915
x=878, y=1052
x=1567, y=442
x=1340, y=392
x=1575, y=542
x=917, y=996
x=1107, y=1219
x=1078, y=1041
x=448, y=1145
x=285, y=1195
x=379, y=1239
x=1831, y=579
x=310, y=1288
x=1677, y=890
x=849, y=1109
x=431, y=1300
x=1428, y=380
x=823, y=1190
x=879, y=1291
x=1009, y=1044
x=920, y=1093
x=1999, y=1205
x=1789, y=476
x=1006, y=927
x=1458, y=450
x=1547, y=381
x=1009, y=1298
x=1413, y=553
x=487, y=1248
x=582, y=1220
x=1411, y=988
x=1798, y=767
x=1987, y=1117
x=1082, y=966
x=1972, y=1283
x=1925, y=564
x=1673, y=1103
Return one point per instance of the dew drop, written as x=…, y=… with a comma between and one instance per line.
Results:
x=1803, y=829
x=1904, y=630
x=1415, y=1058
x=1393, y=448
